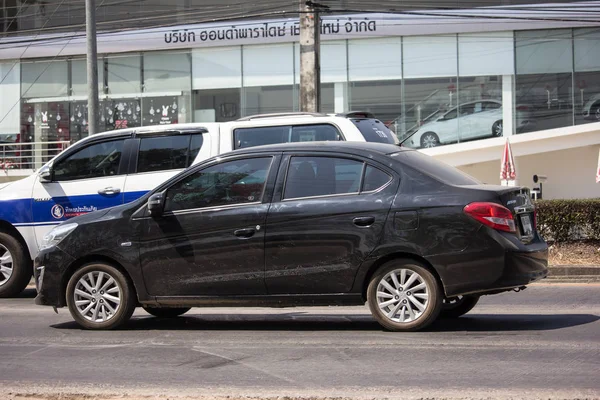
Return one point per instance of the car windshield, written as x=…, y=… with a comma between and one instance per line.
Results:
x=436, y=169
x=374, y=130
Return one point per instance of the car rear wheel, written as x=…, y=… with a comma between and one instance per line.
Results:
x=162, y=312
x=99, y=296
x=15, y=266
x=455, y=307
x=597, y=111
x=497, y=129
x=404, y=296
x=429, y=139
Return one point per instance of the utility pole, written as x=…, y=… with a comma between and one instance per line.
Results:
x=310, y=49
x=92, y=65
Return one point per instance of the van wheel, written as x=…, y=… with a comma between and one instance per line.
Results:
x=404, y=296
x=164, y=312
x=454, y=307
x=16, y=268
x=99, y=296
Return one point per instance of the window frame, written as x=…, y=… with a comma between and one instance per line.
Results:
x=123, y=163
x=350, y=157
x=215, y=162
x=289, y=126
x=133, y=166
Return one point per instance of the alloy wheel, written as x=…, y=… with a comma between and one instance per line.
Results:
x=402, y=295
x=498, y=129
x=429, y=141
x=6, y=265
x=97, y=296
x=598, y=114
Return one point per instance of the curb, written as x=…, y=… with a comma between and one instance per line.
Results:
x=573, y=274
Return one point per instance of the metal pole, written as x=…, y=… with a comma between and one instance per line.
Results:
x=92, y=65
x=309, y=58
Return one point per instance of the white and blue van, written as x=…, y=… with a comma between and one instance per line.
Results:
x=117, y=167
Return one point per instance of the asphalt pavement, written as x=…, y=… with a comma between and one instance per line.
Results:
x=541, y=343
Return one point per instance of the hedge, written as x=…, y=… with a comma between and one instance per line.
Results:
x=568, y=220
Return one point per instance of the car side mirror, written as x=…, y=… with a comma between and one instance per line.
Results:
x=45, y=175
x=156, y=205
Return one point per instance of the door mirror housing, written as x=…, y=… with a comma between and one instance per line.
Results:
x=45, y=174
x=156, y=205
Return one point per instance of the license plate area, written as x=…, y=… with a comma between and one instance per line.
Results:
x=526, y=223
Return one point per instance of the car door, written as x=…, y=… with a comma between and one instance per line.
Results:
x=327, y=215
x=160, y=156
x=88, y=179
x=465, y=120
x=210, y=238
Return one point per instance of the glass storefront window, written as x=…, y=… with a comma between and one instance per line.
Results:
x=124, y=74
x=587, y=75
x=544, y=81
x=426, y=101
x=382, y=98
x=164, y=72
x=217, y=105
x=44, y=79
x=79, y=77
x=121, y=113
x=269, y=99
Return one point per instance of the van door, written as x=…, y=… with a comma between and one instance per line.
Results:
x=89, y=179
x=161, y=156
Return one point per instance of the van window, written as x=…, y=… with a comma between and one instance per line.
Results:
x=227, y=183
x=374, y=130
x=322, y=176
x=250, y=137
x=97, y=160
x=164, y=153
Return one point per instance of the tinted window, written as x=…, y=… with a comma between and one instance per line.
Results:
x=374, y=130
x=250, y=137
x=233, y=182
x=168, y=152
x=374, y=179
x=491, y=105
x=163, y=153
x=94, y=161
x=434, y=168
x=321, y=176
x=451, y=114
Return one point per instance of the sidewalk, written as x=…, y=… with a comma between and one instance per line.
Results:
x=573, y=274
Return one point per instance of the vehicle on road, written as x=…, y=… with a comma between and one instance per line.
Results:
x=469, y=121
x=319, y=223
x=117, y=167
x=591, y=108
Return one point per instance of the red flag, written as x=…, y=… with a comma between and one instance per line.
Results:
x=507, y=168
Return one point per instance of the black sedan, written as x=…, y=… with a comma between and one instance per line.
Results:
x=336, y=223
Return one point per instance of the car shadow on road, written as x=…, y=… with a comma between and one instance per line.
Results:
x=326, y=322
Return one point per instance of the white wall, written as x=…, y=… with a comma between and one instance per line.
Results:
x=571, y=173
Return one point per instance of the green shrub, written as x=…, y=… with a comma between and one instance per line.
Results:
x=568, y=220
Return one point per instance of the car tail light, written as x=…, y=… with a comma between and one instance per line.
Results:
x=493, y=215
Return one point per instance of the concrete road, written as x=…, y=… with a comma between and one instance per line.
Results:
x=543, y=342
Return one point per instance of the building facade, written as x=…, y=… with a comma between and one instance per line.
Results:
x=455, y=84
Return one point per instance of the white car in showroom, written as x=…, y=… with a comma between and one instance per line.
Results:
x=472, y=120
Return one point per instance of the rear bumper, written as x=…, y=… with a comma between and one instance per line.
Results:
x=493, y=262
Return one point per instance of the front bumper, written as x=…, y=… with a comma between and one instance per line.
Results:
x=49, y=267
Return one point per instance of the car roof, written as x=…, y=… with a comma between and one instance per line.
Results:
x=329, y=146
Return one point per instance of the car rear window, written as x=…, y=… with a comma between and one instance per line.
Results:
x=434, y=168
x=250, y=137
x=374, y=130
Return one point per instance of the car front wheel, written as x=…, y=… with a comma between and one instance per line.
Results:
x=99, y=296
x=454, y=307
x=404, y=296
x=497, y=129
x=161, y=312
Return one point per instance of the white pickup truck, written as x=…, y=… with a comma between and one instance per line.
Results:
x=117, y=167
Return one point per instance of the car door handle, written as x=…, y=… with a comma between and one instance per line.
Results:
x=363, y=221
x=109, y=191
x=244, y=233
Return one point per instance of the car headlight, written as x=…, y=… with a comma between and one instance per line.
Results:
x=56, y=235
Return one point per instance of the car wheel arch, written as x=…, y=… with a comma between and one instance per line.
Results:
x=9, y=229
x=397, y=256
x=89, y=259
